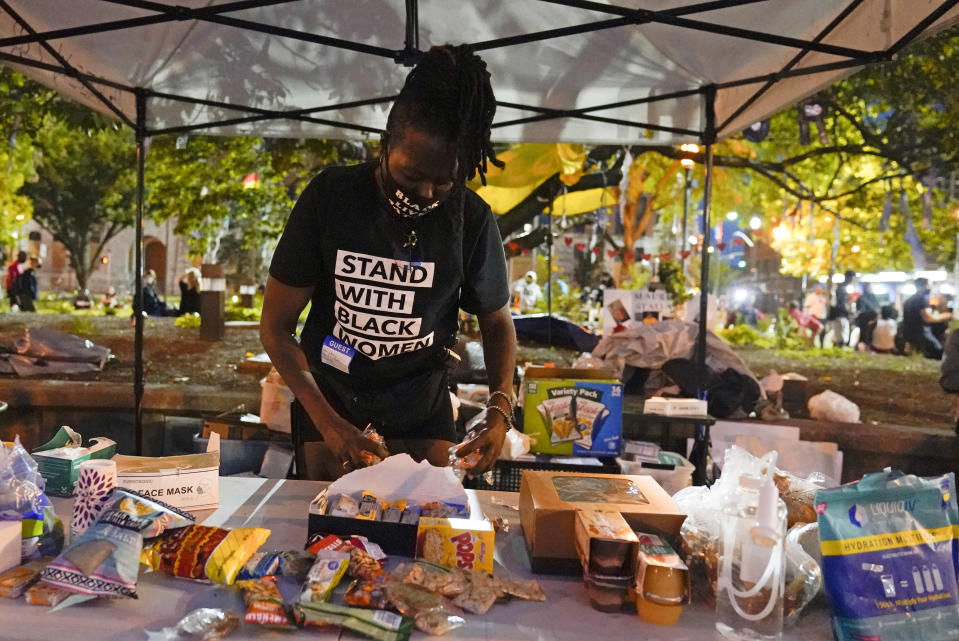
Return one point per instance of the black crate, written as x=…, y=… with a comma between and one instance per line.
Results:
x=507, y=475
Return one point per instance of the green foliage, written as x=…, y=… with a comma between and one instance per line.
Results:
x=743, y=334
x=84, y=189
x=237, y=313
x=671, y=276
x=187, y=321
x=82, y=326
x=787, y=331
x=567, y=305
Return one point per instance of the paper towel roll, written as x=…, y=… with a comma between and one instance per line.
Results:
x=94, y=485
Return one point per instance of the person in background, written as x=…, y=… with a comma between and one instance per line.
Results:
x=14, y=269
x=867, y=313
x=82, y=300
x=109, y=299
x=917, y=320
x=190, y=291
x=949, y=380
x=817, y=306
x=838, y=325
x=526, y=293
x=809, y=325
x=151, y=304
x=884, y=333
x=25, y=286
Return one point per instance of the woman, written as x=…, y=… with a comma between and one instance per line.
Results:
x=387, y=253
x=190, y=291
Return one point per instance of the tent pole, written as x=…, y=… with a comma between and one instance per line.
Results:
x=709, y=137
x=141, y=106
x=549, y=274
x=699, y=456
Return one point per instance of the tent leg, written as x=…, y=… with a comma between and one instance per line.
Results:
x=699, y=455
x=549, y=276
x=138, y=292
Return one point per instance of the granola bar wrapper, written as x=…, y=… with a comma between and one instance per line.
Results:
x=105, y=559
x=204, y=553
x=432, y=613
x=264, y=603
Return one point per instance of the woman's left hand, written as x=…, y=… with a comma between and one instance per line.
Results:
x=487, y=439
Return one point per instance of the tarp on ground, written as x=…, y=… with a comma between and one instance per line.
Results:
x=563, y=70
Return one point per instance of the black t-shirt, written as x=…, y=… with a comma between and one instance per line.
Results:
x=912, y=321
x=395, y=305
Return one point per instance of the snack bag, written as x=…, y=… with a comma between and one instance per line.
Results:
x=105, y=559
x=324, y=576
x=15, y=581
x=456, y=543
x=372, y=624
x=264, y=603
x=205, y=553
x=431, y=613
x=888, y=546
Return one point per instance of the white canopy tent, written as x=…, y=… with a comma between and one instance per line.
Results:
x=621, y=72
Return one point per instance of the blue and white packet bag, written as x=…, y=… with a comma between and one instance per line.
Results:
x=890, y=557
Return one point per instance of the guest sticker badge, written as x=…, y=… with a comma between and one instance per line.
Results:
x=337, y=354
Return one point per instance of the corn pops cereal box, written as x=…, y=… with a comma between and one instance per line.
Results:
x=467, y=544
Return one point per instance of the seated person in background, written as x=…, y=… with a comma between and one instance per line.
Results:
x=109, y=299
x=884, y=333
x=190, y=291
x=918, y=317
x=82, y=300
x=149, y=301
x=809, y=325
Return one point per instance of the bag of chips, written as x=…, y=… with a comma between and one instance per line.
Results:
x=105, y=559
x=205, y=553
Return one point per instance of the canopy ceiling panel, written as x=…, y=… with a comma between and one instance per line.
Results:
x=631, y=71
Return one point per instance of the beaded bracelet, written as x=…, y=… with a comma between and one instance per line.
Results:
x=507, y=397
x=506, y=417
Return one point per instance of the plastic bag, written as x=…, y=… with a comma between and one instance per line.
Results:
x=701, y=529
x=830, y=406
x=22, y=499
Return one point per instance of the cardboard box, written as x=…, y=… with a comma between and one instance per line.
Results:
x=572, y=411
x=187, y=481
x=457, y=543
x=547, y=509
x=59, y=459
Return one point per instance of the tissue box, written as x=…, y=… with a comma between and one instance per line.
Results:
x=572, y=411
x=675, y=406
x=60, y=464
x=547, y=510
x=188, y=481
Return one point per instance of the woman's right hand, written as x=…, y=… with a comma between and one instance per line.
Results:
x=347, y=443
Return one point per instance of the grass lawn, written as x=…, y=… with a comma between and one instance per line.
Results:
x=898, y=390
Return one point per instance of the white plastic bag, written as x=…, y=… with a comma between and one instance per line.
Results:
x=830, y=406
x=275, y=401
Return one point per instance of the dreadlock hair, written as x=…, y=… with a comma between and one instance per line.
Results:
x=449, y=94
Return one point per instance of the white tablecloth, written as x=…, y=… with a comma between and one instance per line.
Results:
x=282, y=507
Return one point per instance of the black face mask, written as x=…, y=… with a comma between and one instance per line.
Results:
x=403, y=203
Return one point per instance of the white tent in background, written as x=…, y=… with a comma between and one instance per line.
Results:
x=623, y=72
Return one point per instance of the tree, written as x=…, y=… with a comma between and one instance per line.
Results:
x=84, y=190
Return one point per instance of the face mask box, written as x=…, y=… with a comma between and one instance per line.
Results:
x=575, y=412
x=548, y=502
x=187, y=481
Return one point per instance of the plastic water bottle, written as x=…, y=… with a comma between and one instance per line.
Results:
x=751, y=576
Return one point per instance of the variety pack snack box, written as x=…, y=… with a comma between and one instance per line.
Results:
x=572, y=411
